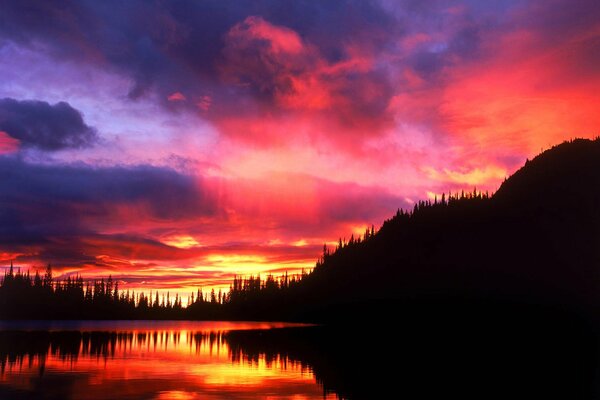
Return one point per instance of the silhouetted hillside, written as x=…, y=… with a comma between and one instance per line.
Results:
x=536, y=242
x=468, y=293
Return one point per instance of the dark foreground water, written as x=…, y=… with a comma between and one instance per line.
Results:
x=246, y=360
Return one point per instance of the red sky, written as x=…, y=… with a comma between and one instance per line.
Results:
x=176, y=145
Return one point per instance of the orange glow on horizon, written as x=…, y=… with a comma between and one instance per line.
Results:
x=181, y=241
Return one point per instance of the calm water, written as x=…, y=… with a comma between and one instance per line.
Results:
x=534, y=356
x=149, y=360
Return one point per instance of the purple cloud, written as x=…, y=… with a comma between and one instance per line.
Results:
x=37, y=124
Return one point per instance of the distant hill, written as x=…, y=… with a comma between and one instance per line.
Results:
x=536, y=241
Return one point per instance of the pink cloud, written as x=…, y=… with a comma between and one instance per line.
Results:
x=527, y=97
x=288, y=78
x=280, y=40
x=531, y=85
x=176, y=96
x=204, y=103
x=8, y=144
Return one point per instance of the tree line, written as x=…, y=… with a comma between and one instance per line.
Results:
x=41, y=296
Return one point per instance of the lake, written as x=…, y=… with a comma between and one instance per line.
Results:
x=147, y=360
x=418, y=358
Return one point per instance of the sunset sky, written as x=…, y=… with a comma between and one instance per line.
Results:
x=175, y=144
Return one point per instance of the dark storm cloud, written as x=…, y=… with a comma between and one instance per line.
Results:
x=39, y=202
x=40, y=125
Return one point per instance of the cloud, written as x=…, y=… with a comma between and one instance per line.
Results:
x=40, y=202
x=112, y=219
x=184, y=48
x=266, y=56
x=536, y=86
x=37, y=124
x=289, y=77
x=466, y=178
x=8, y=144
x=295, y=206
x=176, y=96
x=316, y=118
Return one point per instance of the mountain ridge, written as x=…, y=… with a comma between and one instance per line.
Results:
x=535, y=241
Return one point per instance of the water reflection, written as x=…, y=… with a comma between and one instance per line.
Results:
x=526, y=356
x=164, y=363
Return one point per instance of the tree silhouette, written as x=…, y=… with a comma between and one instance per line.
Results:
x=534, y=241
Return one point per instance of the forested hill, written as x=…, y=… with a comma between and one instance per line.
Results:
x=536, y=241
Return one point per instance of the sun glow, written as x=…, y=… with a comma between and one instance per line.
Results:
x=181, y=241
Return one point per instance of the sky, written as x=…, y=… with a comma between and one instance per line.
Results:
x=176, y=144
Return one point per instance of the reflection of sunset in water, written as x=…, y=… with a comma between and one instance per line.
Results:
x=161, y=364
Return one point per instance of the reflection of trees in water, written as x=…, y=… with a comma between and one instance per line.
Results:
x=473, y=357
x=34, y=347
